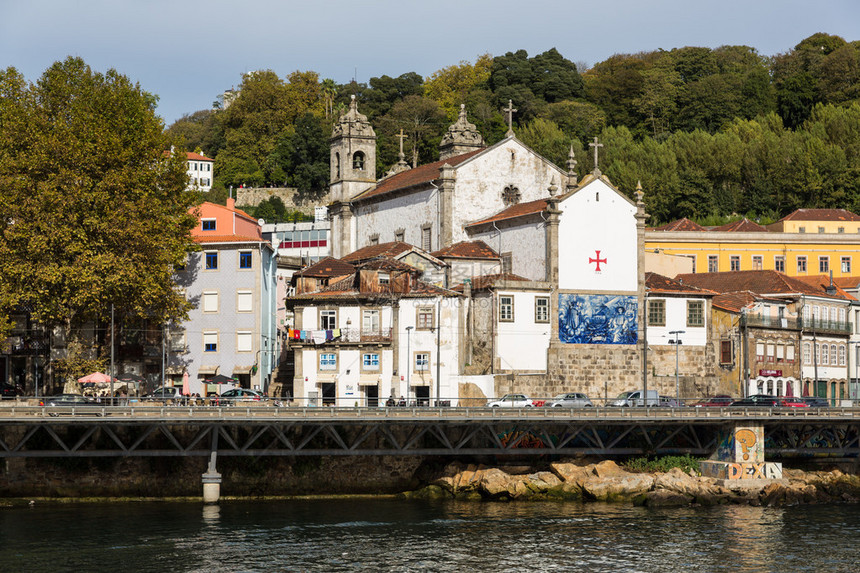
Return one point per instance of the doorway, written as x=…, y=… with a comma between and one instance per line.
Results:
x=371, y=396
x=422, y=395
x=329, y=393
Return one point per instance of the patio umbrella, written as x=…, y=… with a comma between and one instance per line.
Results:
x=806, y=390
x=220, y=379
x=789, y=390
x=186, y=385
x=95, y=377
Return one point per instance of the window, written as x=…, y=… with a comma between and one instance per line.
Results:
x=424, y=317
x=211, y=261
x=713, y=263
x=358, y=161
x=507, y=263
x=208, y=224
x=841, y=355
x=370, y=321
x=832, y=314
x=771, y=352
x=374, y=239
x=801, y=264
x=177, y=341
x=842, y=315
x=328, y=319
x=735, y=263
x=244, y=301
x=370, y=361
x=210, y=342
x=510, y=196
x=245, y=259
x=780, y=353
x=657, y=312
x=846, y=264
x=824, y=264
x=426, y=237
x=820, y=229
x=824, y=355
x=725, y=352
x=210, y=301
x=779, y=263
x=840, y=230
x=789, y=353
x=807, y=352
x=422, y=361
x=801, y=229
x=243, y=341
x=695, y=313
x=833, y=356
x=328, y=361
x=506, y=308
x=757, y=262
x=541, y=309
x=759, y=351
x=399, y=235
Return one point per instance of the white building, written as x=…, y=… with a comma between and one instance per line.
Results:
x=200, y=172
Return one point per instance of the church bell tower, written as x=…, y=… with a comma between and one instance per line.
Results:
x=352, y=170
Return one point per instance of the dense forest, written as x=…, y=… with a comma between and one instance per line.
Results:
x=711, y=133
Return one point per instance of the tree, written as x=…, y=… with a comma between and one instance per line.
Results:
x=422, y=120
x=300, y=158
x=547, y=139
x=455, y=85
x=95, y=212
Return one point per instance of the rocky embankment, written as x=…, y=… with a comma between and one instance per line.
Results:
x=607, y=481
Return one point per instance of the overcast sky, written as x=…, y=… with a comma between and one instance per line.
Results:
x=188, y=53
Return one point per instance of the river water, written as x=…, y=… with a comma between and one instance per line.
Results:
x=396, y=535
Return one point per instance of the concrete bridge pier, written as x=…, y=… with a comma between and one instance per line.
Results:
x=212, y=479
x=739, y=458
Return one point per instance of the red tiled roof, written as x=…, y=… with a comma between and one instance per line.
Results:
x=414, y=176
x=514, y=211
x=346, y=288
x=822, y=282
x=658, y=284
x=387, y=265
x=760, y=282
x=387, y=250
x=467, y=250
x=821, y=215
x=734, y=301
x=847, y=282
x=487, y=281
x=198, y=157
x=681, y=225
x=327, y=267
x=742, y=226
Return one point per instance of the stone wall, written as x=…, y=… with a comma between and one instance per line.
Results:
x=253, y=196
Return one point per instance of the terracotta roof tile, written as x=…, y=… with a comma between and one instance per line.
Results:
x=760, y=282
x=387, y=265
x=658, y=284
x=514, y=211
x=742, y=226
x=414, y=176
x=327, y=267
x=847, y=282
x=822, y=282
x=734, y=301
x=681, y=225
x=387, y=250
x=198, y=157
x=821, y=215
x=467, y=250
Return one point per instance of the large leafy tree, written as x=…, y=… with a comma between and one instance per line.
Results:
x=94, y=209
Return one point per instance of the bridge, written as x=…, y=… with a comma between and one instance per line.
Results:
x=147, y=430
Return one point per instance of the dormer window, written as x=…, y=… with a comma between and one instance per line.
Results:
x=208, y=224
x=358, y=161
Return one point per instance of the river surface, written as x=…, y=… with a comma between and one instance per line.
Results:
x=396, y=535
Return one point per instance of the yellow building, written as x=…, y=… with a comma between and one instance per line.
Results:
x=807, y=242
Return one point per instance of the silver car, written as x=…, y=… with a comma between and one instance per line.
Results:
x=570, y=400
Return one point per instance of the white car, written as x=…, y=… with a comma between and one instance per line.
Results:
x=511, y=401
x=570, y=400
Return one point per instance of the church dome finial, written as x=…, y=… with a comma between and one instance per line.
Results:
x=352, y=122
x=461, y=137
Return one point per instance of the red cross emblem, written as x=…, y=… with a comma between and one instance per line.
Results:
x=598, y=260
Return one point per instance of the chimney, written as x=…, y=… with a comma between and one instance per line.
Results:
x=231, y=203
x=830, y=289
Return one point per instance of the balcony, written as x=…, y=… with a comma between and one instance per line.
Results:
x=350, y=334
x=754, y=321
x=819, y=326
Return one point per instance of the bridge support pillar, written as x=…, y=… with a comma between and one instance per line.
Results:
x=211, y=482
x=739, y=458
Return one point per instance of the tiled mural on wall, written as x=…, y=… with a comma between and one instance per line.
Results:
x=597, y=319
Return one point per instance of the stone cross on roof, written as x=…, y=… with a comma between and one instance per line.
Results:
x=595, y=145
x=401, y=137
x=510, y=111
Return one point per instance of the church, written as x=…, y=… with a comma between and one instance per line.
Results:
x=571, y=250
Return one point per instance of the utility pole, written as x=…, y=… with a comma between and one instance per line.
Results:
x=677, y=342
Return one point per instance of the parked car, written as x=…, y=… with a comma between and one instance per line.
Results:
x=768, y=401
x=511, y=401
x=669, y=402
x=166, y=394
x=70, y=401
x=244, y=395
x=570, y=400
x=9, y=391
x=720, y=401
x=816, y=402
x=635, y=398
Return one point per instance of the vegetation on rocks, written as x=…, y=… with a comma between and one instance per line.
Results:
x=685, y=463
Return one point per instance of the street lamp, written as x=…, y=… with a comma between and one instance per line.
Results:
x=677, y=342
x=408, y=360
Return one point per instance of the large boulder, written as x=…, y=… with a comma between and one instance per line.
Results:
x=495, y=483
x=572, y=473
x=608, y=468
x=617, y=488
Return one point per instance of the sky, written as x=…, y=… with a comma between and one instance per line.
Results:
x=188, y=53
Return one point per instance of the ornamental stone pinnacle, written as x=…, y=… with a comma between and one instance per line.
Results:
x=352, y=123
x=461, y=137
x=572, y=177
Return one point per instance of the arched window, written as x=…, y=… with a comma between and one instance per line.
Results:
x=358, y=161
x=841, y=355
x=833, y=354
x=824, y=357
